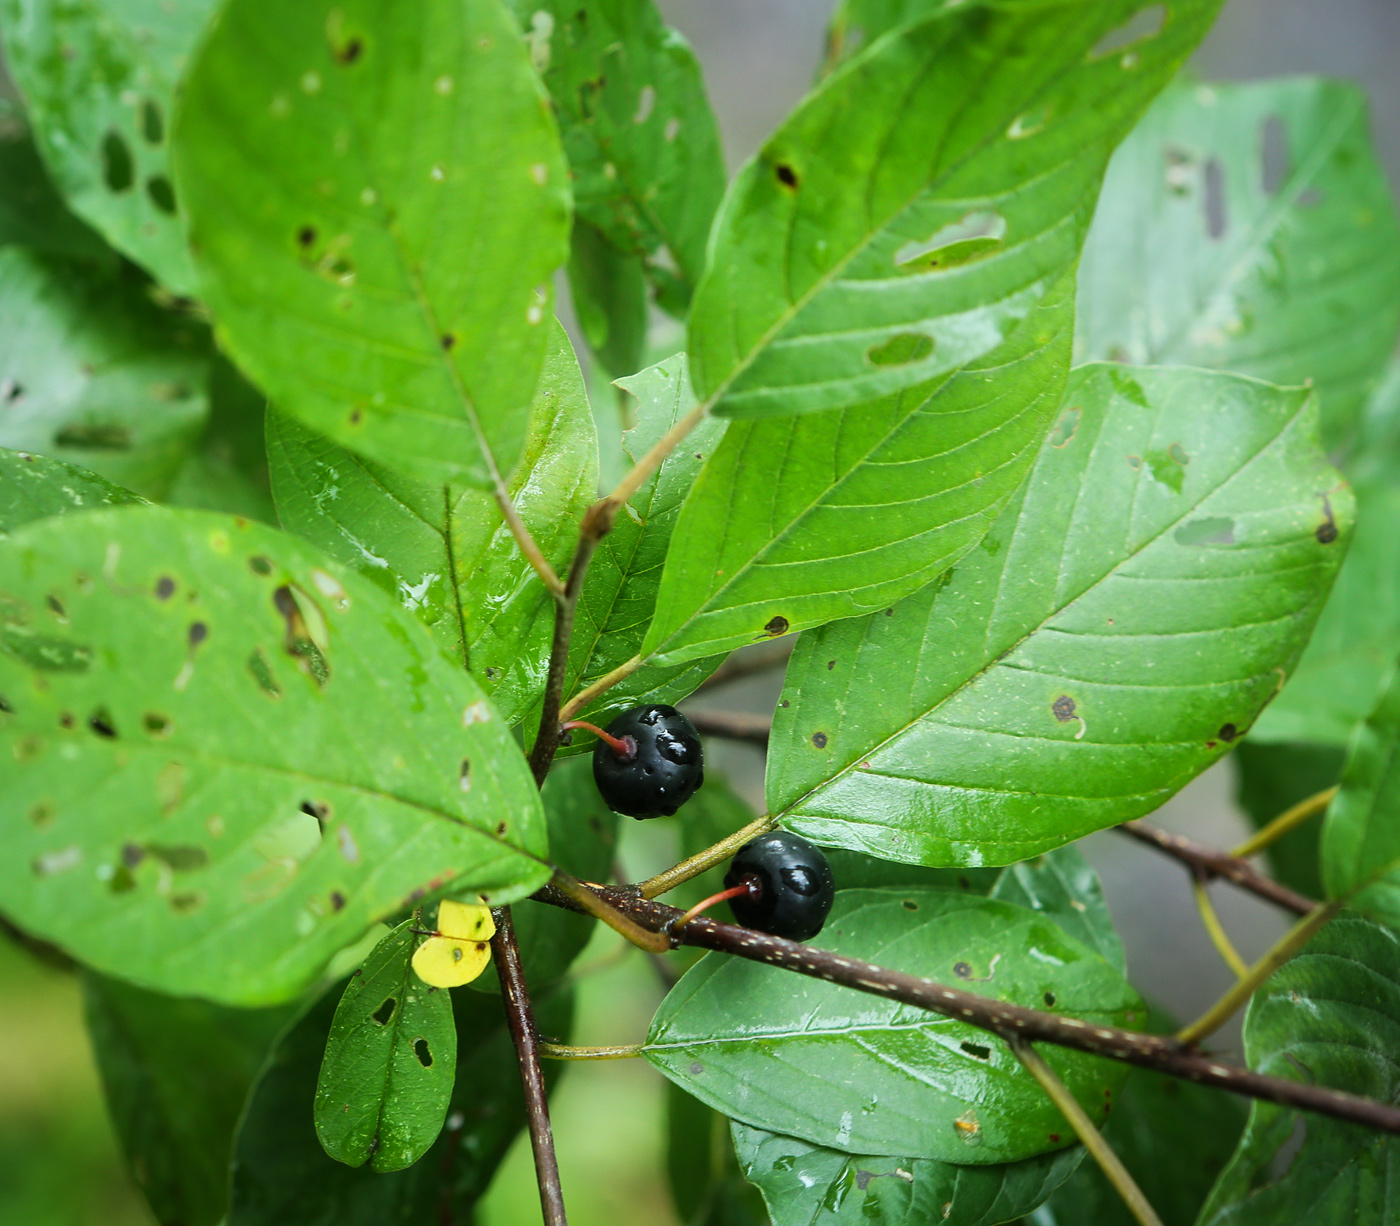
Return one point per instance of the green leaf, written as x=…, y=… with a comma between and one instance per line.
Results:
x=707, y=1187
x=642, y=143
x=1336, y=682
x=445, y=552
x=390, y=1061
x=226, y=756
x=228, y=469
x=858, y=23
x=582, y=841
x=176, y=1073
x=798, y=521
x=805, y=1058
x=1249, y=228
x=915, y=207
x=99, y=82
x=1063, y=886
x=1272, y=777
x=806, y=1185
x=620, y=592
x=1330, y=1017
x=1122, y=624
x=95, y=374
x=282, y=1175
x=609, y=293
x=31, y=212
x=35, y=487
x=1360, y=834
x=378, y=200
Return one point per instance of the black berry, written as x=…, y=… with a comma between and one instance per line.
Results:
x=790, y=886
x=659, y=767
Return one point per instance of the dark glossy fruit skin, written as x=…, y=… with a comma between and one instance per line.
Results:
x=665, y=771
x=794, y=886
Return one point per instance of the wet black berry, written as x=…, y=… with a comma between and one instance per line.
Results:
x=791, y=887
x=662, y=769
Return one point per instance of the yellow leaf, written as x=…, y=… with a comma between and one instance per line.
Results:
x=460, y=950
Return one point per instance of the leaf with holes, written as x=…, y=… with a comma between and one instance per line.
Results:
x=92, y=373
x=1249, y=228
x=807, y=1059
x=915, y=207
x=807, y=1185
x=1124, y=622
x=445, y=552
x=798, y=521
x=282, y=1175
x=1329, y=1017
x=32, y=214
x=226, y=756
x=176, y=1073
x=1361, y=836
x=99, y=82
x=1337, y=681
x=642, y=142
x=378, y=200
x=391, y=1057
x=35, y=487
x=619, y=597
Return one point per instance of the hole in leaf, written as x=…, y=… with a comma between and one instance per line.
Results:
x=976, y=1050
x=11, y=391
x=156, y=724
x=1273, y=154
x=162, y=194
x=152, y=125
x=901, y=349
x=910, y=905
x=1049, y=999
x=420, y=1049
x=385, y=1011
x=299, y=642
x=94, y=436
x=1145, y=24
x=319, y=809
x=100, y=721
x=165, y=587
x=787, y=176
x=1217, y=220
x=646, y=103
x=117, y=171
x=973, y=235
x=198, y=633
x=262, y=674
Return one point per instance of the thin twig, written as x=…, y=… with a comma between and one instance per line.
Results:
x=1288, y=820
x=1099, y=1149
x=1216, y=863
x=1216, y=930
x=520, y=1017
x=642, y=470
x=597, y=523
x=1160, y=1053
x=750, y=661
x=733, y=726
x=601, y=686
x=526, y=543
x=1287, y=945
x=562, y=1051
x=703, y=861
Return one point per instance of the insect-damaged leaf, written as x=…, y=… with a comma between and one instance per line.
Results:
x=619, y=598
x=1249, y=228
x=99, y=82
x=1329, y=1017
x=917, y=205
x=176, y=1073
x=641, y=140
x=446, y=553
x=808, y=1185
x=797, y=521
x=282, y=1175
x=390, y=1060
x=1123, y=623
x=36, y=487
x=867, y=1075
x=226, y=756
x=378, y=199
x=91, y=372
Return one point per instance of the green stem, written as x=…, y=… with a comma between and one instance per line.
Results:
x=1288, y=820
x=562, y=1051
x=703, y=861
x=1216, y=930
x=1114, y=1170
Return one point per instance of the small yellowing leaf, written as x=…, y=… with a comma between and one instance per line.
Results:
x=460, y=950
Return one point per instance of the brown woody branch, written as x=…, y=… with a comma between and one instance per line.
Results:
x=1211, y=862
x=1013, y=1023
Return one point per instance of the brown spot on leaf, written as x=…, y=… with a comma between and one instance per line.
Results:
x=962, y=970
x=777, y=626
x=787, y=176
x=1063, y=708
x=1228, y=732
x=165, y=587
x=819, y=739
